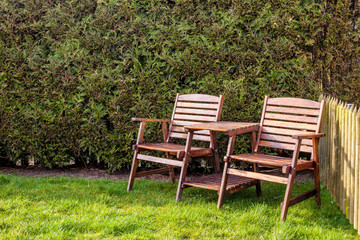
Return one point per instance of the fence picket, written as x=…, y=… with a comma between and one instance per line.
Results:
x=357, y=158
x=352, y=163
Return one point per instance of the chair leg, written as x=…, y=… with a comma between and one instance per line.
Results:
x=182, y=178
x=258, y=183
x=317, y=185
x=291, y=179
x=258, y=188
x=171, y=169
x=286, y=202
x=213, y=145
x=224, y=181
x=133, y=171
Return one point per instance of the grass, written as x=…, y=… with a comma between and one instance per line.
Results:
x=70, y=208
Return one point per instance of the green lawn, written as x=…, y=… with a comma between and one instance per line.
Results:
x=68, y=208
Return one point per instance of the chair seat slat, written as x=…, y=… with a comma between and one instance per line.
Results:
x=166, y=147
x=159, y=160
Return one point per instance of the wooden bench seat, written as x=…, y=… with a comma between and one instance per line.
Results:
x=273, y=161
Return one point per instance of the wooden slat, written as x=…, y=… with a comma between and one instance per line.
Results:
x=271, y=161
x=184, y=123
x=291, y=125
x=335, y=154
x=282, y=131
x=352, y=165
x=149, y=120
x=357, y=161
x=299, y=111
x=197, y=105
x=342, y=197
x=226, y=127
x=195, y=137
x=159, y=160
x=150, y=172
x=172, y=116
x=294, y=102
x=301, y=165
x=291, y=118
x=166, y=147
x=262, y=159
x=219, y=108
x=213, y=182
x=259, y=176
x=182, y=130
x=300, y=197
x=284, y=139
x=284, y=146
x=320, y=117
x=261, y=124
x=198, y=98
x=194, y=118
x=203, y=152
x=196, y=111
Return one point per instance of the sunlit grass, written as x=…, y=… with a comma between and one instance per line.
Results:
x=68, y=208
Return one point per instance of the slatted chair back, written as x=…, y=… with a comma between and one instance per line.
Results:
x=194, y=109
x=283, y=117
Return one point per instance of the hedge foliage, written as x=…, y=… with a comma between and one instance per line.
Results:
x=74, y=72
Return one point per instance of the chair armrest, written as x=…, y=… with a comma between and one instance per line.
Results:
x=149, y=120
x=308, y=135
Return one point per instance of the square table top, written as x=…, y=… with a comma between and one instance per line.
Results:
x=231, y=128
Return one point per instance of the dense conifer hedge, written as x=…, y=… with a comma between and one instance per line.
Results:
x=73, y=73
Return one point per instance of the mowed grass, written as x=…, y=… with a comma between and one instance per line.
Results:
x=69, y=208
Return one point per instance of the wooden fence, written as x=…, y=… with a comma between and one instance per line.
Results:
x=340, y=156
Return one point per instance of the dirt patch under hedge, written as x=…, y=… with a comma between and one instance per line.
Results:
x=93, y=173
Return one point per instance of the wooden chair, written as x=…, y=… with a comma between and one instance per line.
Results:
x=189, y=109
x=289, y=124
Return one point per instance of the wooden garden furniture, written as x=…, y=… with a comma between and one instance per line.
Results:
x=289, y=124
x=188, y=109
x=213, y=181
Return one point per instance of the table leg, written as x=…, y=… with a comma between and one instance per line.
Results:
x=225, y=175
x=184, y=166
x=214, y=146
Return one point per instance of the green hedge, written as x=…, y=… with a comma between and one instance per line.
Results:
x=73, y=73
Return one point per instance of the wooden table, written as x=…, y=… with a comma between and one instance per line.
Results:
x=213, y=181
